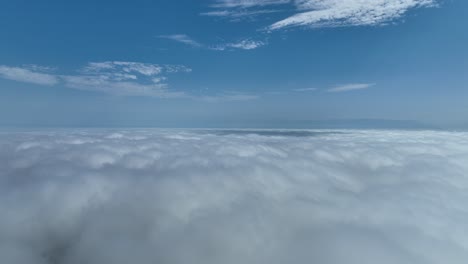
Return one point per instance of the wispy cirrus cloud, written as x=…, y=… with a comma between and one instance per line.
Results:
x=237, y=15
x=120, y=78
x=183, y=38
x=229, y=96
x=125, y=78
x=305, y=90
x=350, y=87
x=242, y=44
x=28, y=74
x=247, y=3
x=112, y=77
x=238, y=10
x=323, y=13
x=245, y=44
x=332, y=13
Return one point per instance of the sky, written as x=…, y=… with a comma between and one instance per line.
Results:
x=233, y=63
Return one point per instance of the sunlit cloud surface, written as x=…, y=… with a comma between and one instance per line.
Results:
x=269, y=196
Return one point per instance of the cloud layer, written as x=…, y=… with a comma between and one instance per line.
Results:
x=270, y=196
x=321, y=13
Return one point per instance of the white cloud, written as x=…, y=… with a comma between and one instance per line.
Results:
x=112, y=77
x=326, y=13
x=29, y=74
x=182, y=38
x=124, y=67
x=101, y=83
x=245, y=44
x=241, y=196
x=120, y=78
x=350, y=87
x=125, y=78
x=319, y=13
x=228, y=96
x=243, y=9
x=247, y=3
x=305, y=90
x=237, y=14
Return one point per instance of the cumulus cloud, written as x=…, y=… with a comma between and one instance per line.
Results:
x=324, y=13
x=269, y=196
x=28, y=74
x=350, y=87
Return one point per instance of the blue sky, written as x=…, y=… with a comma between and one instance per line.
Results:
x=232, y=63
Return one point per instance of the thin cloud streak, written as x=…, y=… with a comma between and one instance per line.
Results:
x=34, y=75
x=125, y=78
x=332, y=13
x=229, y=97
x=247, y=3
x=246, y=44
x=119, y=78
x=243, y=44
x=305, y=90
x=182, y=38
x=238, y=15
x=350, y=87
x=111, y=77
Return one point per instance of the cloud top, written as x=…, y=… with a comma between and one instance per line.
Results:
x=268, y=196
